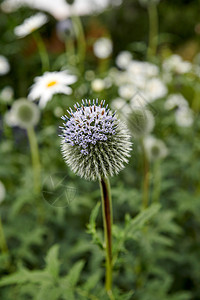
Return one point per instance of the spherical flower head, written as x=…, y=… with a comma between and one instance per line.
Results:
x=4, y=65
x=103, y=48
x=51, y=83
x=30, y=25
x=155, y=148
x=24, y=114
x=95, y=143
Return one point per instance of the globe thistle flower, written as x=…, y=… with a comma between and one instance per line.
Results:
x=103, y=48
x=95, y=143
x=31, y=24
x=4, y=65
x=51, y=83
x=23, y=114
x=155, y=148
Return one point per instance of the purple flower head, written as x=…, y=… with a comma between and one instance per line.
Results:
x=88, y=124
x=94, y=142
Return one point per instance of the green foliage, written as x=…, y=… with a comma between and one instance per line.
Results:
x=58, y=252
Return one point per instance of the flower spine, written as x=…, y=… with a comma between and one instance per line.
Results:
x=95, y=143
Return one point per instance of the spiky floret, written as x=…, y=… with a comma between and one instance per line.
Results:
x=94, y=142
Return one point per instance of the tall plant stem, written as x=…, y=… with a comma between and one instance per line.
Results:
x=145, y=198
x=36, y=170
x=153, y=29
x=157, y=182
x=107, y=221
x=3, y=244
x=43, y=51
x=81, y=43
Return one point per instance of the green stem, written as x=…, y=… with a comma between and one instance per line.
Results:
x=70, y=51
x=36, y=171
x=42, y=50
x=145, y=198
x=3, y=244
x=153, y=29
x=80, y=36
x=157, y=182
x=35, y=159
x=107, y=221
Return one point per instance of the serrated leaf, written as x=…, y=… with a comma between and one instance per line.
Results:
x=52, y=261
x=24, y=276
x=74, y=274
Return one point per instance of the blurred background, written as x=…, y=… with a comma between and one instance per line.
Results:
x=143, y=58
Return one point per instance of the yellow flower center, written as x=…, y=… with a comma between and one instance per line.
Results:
x=51, y=83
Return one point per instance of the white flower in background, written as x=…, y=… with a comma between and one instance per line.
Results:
x=9, y=119
x=155, y=148
x=140, y=68
x=127, y=91
x=155, y=89
x=7, y=94
x=118, y=103
x=31, y=24
x=97, y=85
x=60, y=9
x=23, y=114
x=176, y=64
x=103, y=48
x=175, y=101
x=184, y=117
x=51, y=83
x=2, y=192
x=4, y=65
x=123, y=59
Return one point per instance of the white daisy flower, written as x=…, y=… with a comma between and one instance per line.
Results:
x=175, y=101
x=123, y=59
x=103, y=48
x=60, y=9
x=51, y=83
x=4, y=65
x=184, y=117
x=31, y=24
